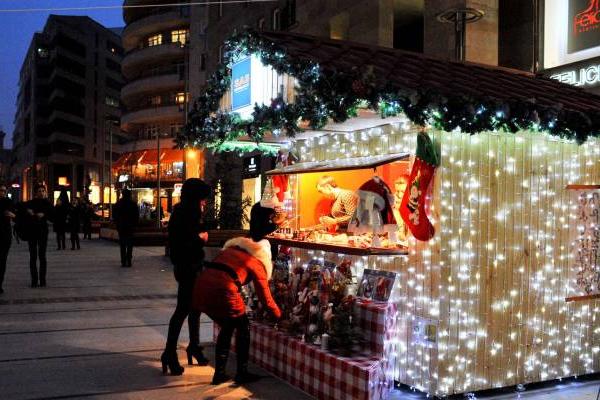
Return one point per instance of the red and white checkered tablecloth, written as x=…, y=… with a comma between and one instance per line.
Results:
x=378, y=322
x=328, y=376
x=319, y=373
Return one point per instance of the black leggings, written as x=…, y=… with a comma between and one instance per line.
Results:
x=75, y=240
x=37, y=248
x=184, y=310
x=241, y=325
x=60, y=239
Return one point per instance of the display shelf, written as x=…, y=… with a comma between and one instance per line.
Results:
x=355, y=251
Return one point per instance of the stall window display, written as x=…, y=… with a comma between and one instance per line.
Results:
x=347, y=206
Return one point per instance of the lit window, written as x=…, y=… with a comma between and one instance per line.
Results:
x=155, y=40
x=155, y=100
x=111, y=101
x=42, y=52
x=180, y=98
x=180, y=36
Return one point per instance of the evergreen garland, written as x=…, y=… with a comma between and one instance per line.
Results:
x=323, y=94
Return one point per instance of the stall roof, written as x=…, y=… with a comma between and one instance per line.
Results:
x=339, y=165
x=408, y=70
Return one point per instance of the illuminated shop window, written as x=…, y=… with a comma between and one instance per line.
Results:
x=155, y=40
x=180, y=36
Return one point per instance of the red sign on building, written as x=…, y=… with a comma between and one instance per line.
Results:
x=584, y=25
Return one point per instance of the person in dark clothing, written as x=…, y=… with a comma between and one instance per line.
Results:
x=218, y=290
x=41, y=212
x=61, y=212
x=125, y=217
x=87, y=213
x=73, y=224
x=187, y=236
x=7, y=213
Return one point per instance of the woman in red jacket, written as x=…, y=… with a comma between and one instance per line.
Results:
x=218, y=290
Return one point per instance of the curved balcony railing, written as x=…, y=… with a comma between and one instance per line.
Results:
x=131, y=15
x=140, y=58
x=154, y=84
x=163, y=20
x=153, y=114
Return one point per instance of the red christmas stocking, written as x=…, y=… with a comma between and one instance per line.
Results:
x=280, y=182
x=412, y=207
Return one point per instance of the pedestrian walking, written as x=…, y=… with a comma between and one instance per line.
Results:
x=187, y=237
x=87, y=212
x=218, y=290
x=40, y=212
x=7, y=213
x=125, y=217
x=61, y=212
x=74, y=223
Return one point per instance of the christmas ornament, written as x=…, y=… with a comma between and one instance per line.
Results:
x=412, y=207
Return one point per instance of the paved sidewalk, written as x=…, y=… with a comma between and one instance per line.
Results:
x=97, y=332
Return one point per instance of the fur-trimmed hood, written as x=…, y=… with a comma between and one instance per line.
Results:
x=260, y=250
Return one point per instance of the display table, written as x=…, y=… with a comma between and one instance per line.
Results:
x=328, y=376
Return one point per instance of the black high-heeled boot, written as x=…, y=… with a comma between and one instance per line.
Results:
x=196, y=352
x=170, y=361
x=243, y=376
x=220, y=366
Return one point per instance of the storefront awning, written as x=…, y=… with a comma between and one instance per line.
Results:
x=339, y=165
x=170, y=156
x=128, y=159
x=149, y=157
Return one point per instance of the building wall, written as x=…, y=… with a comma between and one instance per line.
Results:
x=496, y=274
x=482, y=36
x=70, y=71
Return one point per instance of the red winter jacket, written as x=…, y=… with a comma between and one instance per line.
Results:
x=216, y=293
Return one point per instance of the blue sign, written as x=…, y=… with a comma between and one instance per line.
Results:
x=240, y=84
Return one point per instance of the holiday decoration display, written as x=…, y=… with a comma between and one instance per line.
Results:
x=412, y=207
x=325, y=94
x=314, y=300
x=503, y=294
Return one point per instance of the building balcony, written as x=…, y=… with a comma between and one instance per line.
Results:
x=131, y=15
x=139, y=59
x=166, y=19
x=163, y=83
x=151, y=115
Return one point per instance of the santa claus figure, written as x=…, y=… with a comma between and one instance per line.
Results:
x=374, y=208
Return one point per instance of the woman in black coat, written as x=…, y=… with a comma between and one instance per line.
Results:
x=187, y=237
x=61, y=213
x=74, y=223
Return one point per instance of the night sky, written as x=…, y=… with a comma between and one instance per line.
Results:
x=17, y=30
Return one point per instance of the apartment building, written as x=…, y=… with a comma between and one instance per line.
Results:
x=156, y=43
x=68, y=101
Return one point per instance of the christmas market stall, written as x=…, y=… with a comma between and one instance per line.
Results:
x=443, y=217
